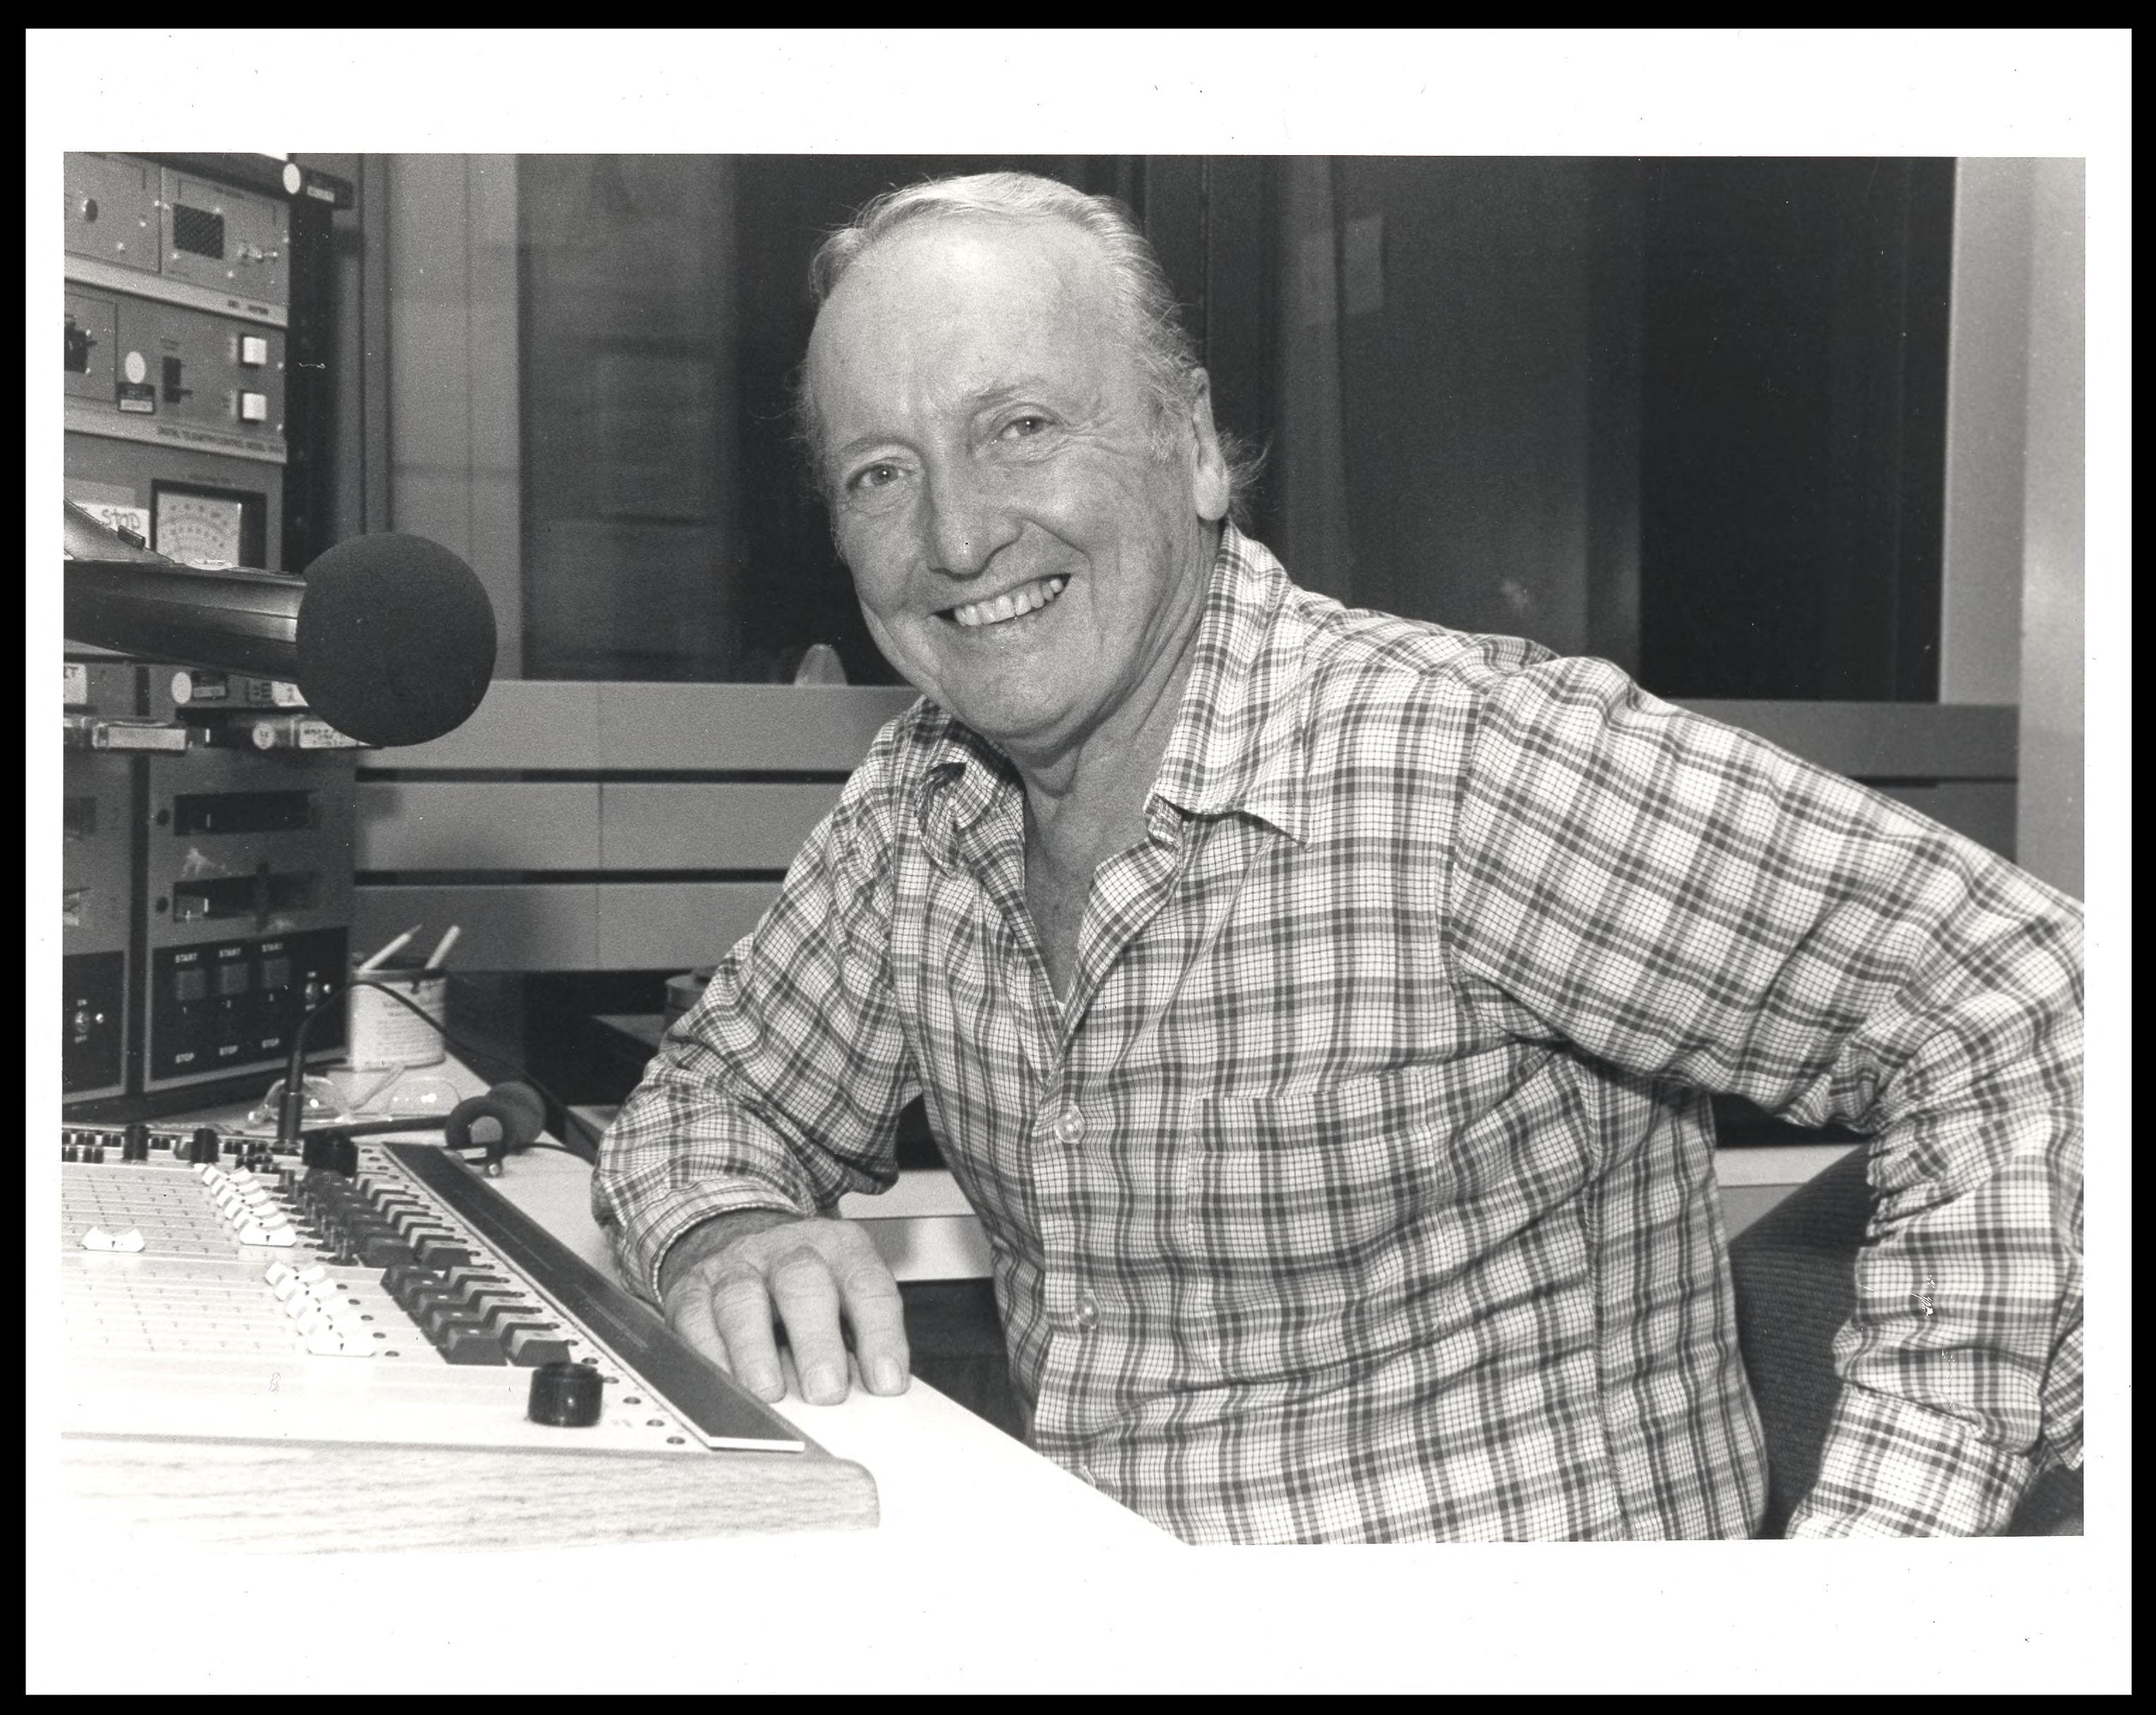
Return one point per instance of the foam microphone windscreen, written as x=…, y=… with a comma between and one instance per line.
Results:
x=396, y=639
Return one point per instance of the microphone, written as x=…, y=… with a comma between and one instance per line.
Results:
x=389, y=637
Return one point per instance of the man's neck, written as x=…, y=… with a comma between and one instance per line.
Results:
x=1079, y=817
x=1088, y=802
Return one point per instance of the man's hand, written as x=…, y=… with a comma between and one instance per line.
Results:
x=722, y=1284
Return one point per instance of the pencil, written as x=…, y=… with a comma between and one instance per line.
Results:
x=390, y=951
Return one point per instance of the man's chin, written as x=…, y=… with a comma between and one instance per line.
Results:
x=1016, y=720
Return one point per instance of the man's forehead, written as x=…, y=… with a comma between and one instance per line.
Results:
x=1005, y=276
x=990, y=307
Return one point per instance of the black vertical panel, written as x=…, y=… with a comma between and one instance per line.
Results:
x=357, y=358
x=1891, y=239
x=1238, y=311
x=1206, y=219
x=1615, y=261
x=625, y=265
x=1732, y=443
x=1928, y=321
x=372, y=371
x=1792, y=447
x=1174, y=220
x=310, y=471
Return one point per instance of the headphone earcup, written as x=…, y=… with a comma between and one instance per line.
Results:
x=511, y=1116
x=530, y=1109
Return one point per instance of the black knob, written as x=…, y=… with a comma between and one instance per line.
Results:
x=203, y=1147
x=567, y=1395
x=134, y=1142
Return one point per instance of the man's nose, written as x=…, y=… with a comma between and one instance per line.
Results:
x=969, y=522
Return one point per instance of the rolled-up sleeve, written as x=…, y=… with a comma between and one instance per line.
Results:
x=781, y=1089
x=1690, y=903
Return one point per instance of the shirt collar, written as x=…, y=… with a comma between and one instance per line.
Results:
x=1237, y=742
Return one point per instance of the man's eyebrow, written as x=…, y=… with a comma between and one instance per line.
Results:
x=859, y=445
x=1029, y=386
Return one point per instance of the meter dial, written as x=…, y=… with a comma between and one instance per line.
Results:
x=200, y=529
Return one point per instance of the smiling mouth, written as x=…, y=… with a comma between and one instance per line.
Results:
x=1012, y=604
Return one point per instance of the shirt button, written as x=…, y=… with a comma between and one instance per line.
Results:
x=1086, y=1475
x=1089, y=1311
x=1070, y=1126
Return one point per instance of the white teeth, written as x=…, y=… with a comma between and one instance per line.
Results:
x=1011, y=603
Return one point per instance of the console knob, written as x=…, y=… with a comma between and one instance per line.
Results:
x=567, y=1395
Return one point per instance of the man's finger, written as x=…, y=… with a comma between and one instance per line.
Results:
x=877, y=1316
x=808, y=1300
x=741, y=1310
x=689, y=1310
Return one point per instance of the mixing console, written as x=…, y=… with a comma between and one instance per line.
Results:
x=212, y=1293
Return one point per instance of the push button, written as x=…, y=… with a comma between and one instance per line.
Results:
x=463, y=1343
x=532, y=1347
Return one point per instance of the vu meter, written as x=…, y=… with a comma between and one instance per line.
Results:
x=199, y=527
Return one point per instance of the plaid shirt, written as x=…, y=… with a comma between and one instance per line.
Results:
x=1361, y=1187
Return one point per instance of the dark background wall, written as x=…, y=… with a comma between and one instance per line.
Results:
x=1490, y=425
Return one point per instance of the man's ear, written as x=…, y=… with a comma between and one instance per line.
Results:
x=1208, y=465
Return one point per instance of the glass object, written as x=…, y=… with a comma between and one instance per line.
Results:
x=417, y=1096
x=325, y=1104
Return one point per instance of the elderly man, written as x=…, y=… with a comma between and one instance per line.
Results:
x=1320, y=1009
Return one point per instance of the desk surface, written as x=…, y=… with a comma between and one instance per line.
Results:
x=943, y=1477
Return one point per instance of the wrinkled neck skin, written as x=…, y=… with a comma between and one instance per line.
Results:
x=1086, y=798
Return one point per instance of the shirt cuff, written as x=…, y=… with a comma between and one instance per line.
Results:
x=1894, y=1468
x=663, y=1222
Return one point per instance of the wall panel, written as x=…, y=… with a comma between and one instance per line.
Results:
x=478, y=824
x=688, y=826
